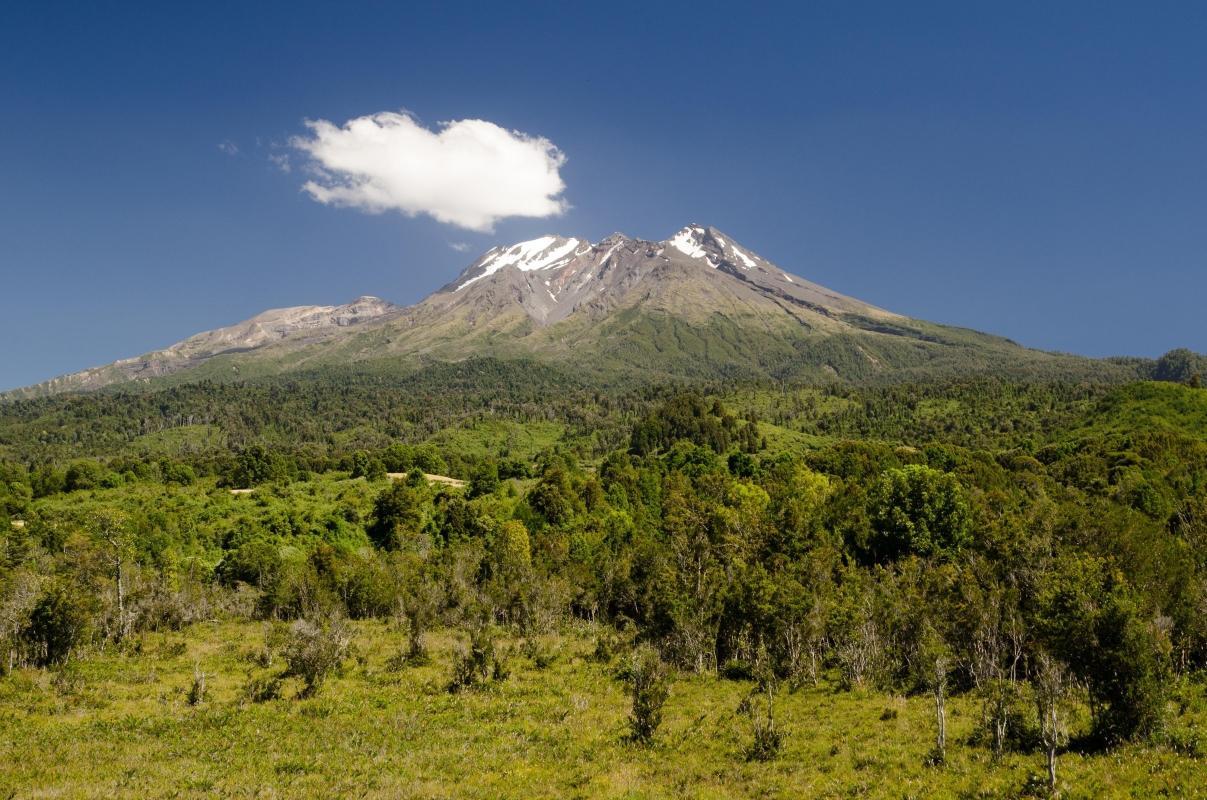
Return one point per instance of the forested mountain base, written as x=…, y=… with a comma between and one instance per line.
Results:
x=977, y=588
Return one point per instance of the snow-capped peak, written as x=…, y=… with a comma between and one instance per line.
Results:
x=687, y=241
x=543, y=253
x=696, y=241
x=692, y=241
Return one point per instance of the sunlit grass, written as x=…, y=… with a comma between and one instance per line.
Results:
x=119, y=725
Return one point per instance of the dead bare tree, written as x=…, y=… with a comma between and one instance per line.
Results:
x=804, y=643
x=858, y=648
x=17, y=600
x=112, y=528
x=1052, y=685
x=997, y=650
x=938, y=690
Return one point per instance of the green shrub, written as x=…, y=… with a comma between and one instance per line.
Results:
x=735, y=669
x=768, y=740
x=1129, y=672
x=768, y=737
x=262, y=688
x=316, y=650
x=478, y=664
x=649, y=688
x=197, y=691
x=59, y=623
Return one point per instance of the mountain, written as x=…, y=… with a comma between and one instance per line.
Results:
x=297, y=326
x=695, y=305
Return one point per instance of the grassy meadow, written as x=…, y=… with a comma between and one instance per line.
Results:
x=120, y=724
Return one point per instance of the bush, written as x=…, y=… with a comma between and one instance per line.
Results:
x=1129, y=674
x=256, y=562
x=58, y=623
x=479, y=664
x=197, y=690
x=768, y=738
x=366, y=588
x=262, y=688
x=85, y=475
x=485, y=480
x=174, y=472
x=607, y=645
x=415, y=653
x=735, y=669
x=649, y=687
x=542, y=654
x=315, y=651
x=397, y=516
x=367, y=467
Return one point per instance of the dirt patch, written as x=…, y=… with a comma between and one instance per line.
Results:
x=446, y=480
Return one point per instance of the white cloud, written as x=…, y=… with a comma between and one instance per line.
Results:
x=228, y=147
x=460, y=247
x=280, y=161
x=470, y=173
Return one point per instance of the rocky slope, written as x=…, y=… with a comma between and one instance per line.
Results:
x=298, y=326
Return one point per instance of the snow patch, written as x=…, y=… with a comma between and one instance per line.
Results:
x=536, y=254
x=747, y=260
x=685, y=242
x=787, y=277
x=608, y=255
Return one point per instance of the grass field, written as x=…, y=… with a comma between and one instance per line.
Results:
x=509, y=439
x=120, y=725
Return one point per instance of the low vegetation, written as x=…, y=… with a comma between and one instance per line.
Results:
x=120, y=724
x=972, y=589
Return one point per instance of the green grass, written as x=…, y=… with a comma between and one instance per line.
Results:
x=939, y=409
x=184, y=439
x=118, y=724
x=785, y=440
x=1151, y=405
x=500, y=437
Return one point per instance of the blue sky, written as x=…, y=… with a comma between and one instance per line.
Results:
x=1037, y=170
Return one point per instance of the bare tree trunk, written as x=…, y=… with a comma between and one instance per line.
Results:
x=999, y=727
x=941, y=720
x=121, y=599
x=1052, y=767
x=1051, y=688
x=939, y=690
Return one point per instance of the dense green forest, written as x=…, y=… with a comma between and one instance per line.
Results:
x=1024, y=561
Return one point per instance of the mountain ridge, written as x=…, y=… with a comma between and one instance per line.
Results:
x=697, y=303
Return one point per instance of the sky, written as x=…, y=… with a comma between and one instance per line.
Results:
x=1036, y=170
